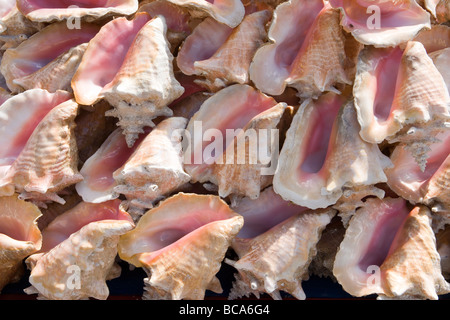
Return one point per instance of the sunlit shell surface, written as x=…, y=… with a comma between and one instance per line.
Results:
x=177, y=19
x=401, y=96
x=145, y=84
x=31, y=63
x=21, y=115
x=322, y=155
x=155, y=169
x=238, y=149
x=78, y=252
x=307, y=51
x=104, y=57
x=230, y=162
x=406, y=178
x=137, y=79
x=223, y=62
x=51, y=10
x=278, y=259
x=437, y=43
x=429, y=186
x=390, y=251
x=48, y=162
x=181, y=244
x=229, y=12
x=382, y=23
x=19, y=236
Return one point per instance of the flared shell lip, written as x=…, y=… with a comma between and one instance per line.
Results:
x=231, y=18
x=382, y=37
x=99, y=94
x=9, y=243
x=138, y=258
x=146, y=257
x=60, y=14
x=32, y=234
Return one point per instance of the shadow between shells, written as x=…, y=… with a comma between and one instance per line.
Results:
x=277, y=140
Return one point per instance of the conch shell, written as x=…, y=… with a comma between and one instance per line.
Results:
x=223, y=62
x=382, y=23
x=229, y=12
x=50, y=65
x=400, y=96
x=48, y=162
x=308, y=50
x=390, y=251
x=232, y=162
x=78, y=252
x=322, y=155
x=57, y=10
x=19, y=236
x=429, y=186
x=437, y=43
x=177, y=19
x=278, y=259
x=137, y=79
x=181, y=244
x=20, y=116
x=145, y=84
x=155, y=169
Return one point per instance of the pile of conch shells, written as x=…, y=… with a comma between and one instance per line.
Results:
x=279, y=139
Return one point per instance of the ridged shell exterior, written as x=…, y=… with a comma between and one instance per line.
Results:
x=48, y=163
x=231, y=62
x=410, y=266
x=104, y=57
x=155, y=169
x=20, y=116
x=229, y=12
x=236, y=170
x=413, y=270
x=420, y=103
x=145, y=84
x=88, y=254
x=30, y=64
x=50, y=11
x=344, y=162
x=14, y=25
x=278, y=259
x=56, y=75
x=301, y=35
x=181, y=244
x=382, y=23
x=429, y=186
